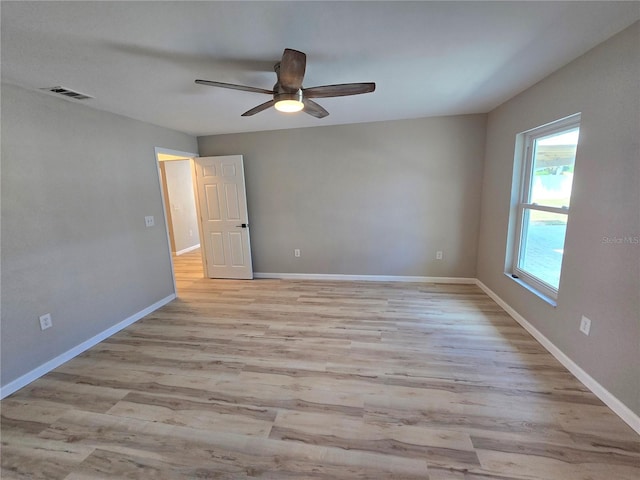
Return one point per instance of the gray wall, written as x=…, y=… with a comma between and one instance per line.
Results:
x=367, y=199
x=181, y=207
x=76, y=186
x=599, y=280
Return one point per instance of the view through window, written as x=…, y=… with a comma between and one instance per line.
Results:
x=545, y=196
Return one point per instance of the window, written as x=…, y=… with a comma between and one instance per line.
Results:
x=548, y=158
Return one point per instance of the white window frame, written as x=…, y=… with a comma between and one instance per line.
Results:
x=524, y=204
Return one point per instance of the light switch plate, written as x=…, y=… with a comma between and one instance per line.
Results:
x=585, y=325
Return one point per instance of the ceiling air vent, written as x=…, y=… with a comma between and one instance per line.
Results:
x=67, y=93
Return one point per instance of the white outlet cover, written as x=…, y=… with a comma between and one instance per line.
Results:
x=45, y=321
x=149, y=221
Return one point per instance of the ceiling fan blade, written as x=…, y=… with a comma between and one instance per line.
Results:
x=313, y=109
x=292, y=69
x=259, y=108
x=340, y=90
x=233, y=86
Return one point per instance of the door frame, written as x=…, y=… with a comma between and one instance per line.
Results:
x=186, y=156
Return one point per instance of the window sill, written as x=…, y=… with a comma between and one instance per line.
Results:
x=537, y=293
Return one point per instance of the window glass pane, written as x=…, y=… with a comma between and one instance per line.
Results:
x=543, y=245
x=553, y=160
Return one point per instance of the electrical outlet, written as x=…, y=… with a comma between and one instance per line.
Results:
x=149, y=221
x=45, y=321
x=585, y=325
x=296, y=252
x=439, y=255
x=190, y=233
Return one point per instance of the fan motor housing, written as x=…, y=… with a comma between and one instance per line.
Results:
x=280, y=95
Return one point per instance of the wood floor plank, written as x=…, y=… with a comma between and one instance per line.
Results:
x=534, y=466
x=31, y=415
x=72, y=394
x=437, y=447
x=25, y=456
x=232, y=418
x=213, y=450
x=291, y=379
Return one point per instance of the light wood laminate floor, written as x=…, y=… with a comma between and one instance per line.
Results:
x=278, y=379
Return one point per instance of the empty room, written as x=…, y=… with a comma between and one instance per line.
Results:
x=320, y=240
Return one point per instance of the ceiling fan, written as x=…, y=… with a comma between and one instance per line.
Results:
x=288, y=93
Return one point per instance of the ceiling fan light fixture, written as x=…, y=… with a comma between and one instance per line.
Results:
x=289, y=102
x=289, y=106
x=288, y=94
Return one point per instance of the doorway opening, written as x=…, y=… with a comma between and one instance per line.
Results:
x=175, y=174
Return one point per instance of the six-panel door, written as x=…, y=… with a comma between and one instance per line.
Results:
x=223, y=214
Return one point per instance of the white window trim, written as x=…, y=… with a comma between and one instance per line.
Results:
x=543, y=289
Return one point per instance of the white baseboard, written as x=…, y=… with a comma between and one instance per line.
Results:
x=38, y=372
x=598, y=390
x=188, y=249
x=366, y=278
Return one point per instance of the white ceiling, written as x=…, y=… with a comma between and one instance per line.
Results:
x=140, y=59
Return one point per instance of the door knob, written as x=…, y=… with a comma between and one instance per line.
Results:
x=244, y=225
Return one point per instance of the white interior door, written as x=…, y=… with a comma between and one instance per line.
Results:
x=223, y=215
